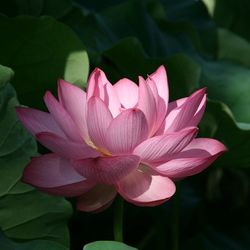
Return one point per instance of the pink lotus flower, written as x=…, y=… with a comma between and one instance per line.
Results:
x=117, y=139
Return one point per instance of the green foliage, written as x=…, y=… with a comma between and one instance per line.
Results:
x=230, y=83
x=40, y=51
x=26, y=214
x=7, y=244
x=56, y=8
x=107, y=245
x=218, y=122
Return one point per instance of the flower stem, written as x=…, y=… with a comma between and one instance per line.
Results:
x=176, y=218
x=118, y=219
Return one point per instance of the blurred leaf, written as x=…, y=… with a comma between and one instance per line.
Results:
x=210, y=4
x=107, y=245
x=6, y=244
x=141, y=19
x=98, y=5
x=233, y=47
x=229, y=83
x=40, y=51
x=233, y=15
x=219, y=119
x=25, y=212
x=55, y=8
x=195, y=14
x=5, y=75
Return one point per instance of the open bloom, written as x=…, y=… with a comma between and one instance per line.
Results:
x=119, y=138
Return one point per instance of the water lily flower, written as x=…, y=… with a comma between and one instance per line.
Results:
x=117, y=139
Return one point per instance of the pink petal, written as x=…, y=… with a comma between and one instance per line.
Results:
x=159, y=79
x=172, y=112
x=96, y=82
x=65, y=148
x=189, y=113
x=107, y=170
x=97, y=199
x=147, y=104
x=55, y=175
x=99, y=86
x=74, y=100
x=127, y=92
x=111, y=99
x=160, y=147
x=126, y=131
x=98, y=120
x=62, y=118
x=199, y=113
x=144, y=189
x=174, y=109
x=197, y=156
x=37, y=121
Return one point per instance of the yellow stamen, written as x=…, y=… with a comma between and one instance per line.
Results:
x=103, y=151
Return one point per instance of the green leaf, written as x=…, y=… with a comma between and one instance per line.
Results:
x=194, y=15
x=40, y=51
x=26, y=214
x=159, y=35
x=5, y=75
x=7, y=244
x=219, y=122
x=56, y=8
x=233, y=47
x=233, y=15
x=229, y=83
x=107, y=245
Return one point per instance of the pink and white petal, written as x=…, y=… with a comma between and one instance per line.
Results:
x=147, y=104
x=111, y=99
x=173, y=110
x=96, y=83
x=199, y=113
x=161, y=81
x=55, y=175
x=126, y=131
x=97, y=199
x=197, y=156
x=99, y=118
x=65, y=148
x=181, y=117
x=144, y=189
x=74, y=100
x=62, y=118
x=161, y=147
x=127, y=92
x=37, y=121
x=99, y=86
x=107, y=170
x=161, y=105
x=176, y=104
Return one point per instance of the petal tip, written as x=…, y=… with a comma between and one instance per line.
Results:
x=47, y=95
x=20, y=110
x=62, y=83
x=202, y=91
x=161, y=68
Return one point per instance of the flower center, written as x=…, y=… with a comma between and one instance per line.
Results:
x=103, y=151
